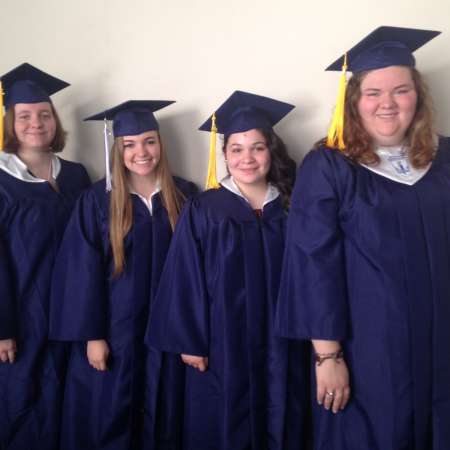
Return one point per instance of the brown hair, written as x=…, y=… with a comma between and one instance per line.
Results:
x=121, y=206
x=11, y=144
x=359, y=145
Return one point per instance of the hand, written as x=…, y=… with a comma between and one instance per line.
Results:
x=333, y=388
x=8, y=350
x=197, y=362
x=97, y=354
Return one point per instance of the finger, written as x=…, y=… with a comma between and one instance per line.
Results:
x=11, y=355
x=320, y=394
x=346, y=397
x=201, y=366
x=102, y=365
x=328, y=400
x=4, y=356
x=337, y=400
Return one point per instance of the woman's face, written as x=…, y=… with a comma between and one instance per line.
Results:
x=387, y=104
x=34, y=125
x=248, y=157
x=141, y=153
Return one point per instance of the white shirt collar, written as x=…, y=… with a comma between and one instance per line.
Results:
x=395, y=165
x=147, y=201
x=12, y=164
x=271, y=194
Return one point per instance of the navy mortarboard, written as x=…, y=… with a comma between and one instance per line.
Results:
x=241, y=111
x=132, y=117
x=27, y=84
x=383, y=47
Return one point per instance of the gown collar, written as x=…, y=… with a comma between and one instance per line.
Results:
x=148, y=201
x=395, y=165
x=13, y=165
x=229, y=184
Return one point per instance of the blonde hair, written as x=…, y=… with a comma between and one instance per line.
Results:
x=121, y=206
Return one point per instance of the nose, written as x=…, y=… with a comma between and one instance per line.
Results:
x=387, y=100
x=141, y=149
x=248, y=155
x=36, y=121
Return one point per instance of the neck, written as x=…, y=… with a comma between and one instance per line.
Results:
x=37, y=161
x=254, y=193
x=144, y=186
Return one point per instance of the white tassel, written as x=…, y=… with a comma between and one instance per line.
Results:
x=106, y=134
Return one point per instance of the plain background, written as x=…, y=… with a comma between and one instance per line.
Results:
x=198, y=52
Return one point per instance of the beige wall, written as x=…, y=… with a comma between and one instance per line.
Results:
x=197, y=52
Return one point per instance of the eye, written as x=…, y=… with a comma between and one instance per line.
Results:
x=128, y=145
x=23, y=116
x=261, y=148
x=150, y=141
x=46, y=115
x=372, y=94
x=403, y=91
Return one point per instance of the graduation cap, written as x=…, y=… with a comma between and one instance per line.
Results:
x=28, y=84
x=130, y=118
x=383, y=47
x=242, y=111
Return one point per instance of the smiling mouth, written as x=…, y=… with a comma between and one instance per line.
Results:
x=143, y=161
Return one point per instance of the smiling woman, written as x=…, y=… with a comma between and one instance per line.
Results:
x=37, y=193
x=245, y=388
x=367, y=262
x=120, y=394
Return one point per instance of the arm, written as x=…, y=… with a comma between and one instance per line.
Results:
x=313, y=295
x=179, y=319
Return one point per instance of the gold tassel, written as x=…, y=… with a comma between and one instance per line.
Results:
x=211, y=180
x=1, y=117
x=335, y=138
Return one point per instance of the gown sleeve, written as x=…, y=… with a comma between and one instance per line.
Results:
x=7, y=306
x=179, y=318
x=78, y=306
x=313, y=295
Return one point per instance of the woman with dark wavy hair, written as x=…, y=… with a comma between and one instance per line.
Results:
x=217, y=297
x=366, y=275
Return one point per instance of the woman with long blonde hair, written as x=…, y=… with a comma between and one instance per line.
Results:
x=107, y=273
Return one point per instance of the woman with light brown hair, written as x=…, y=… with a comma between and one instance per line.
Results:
x=106, y=276
x=366, y=274
x=38, y=190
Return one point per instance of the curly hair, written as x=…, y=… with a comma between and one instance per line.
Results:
x=282, y=167
x=11, y=144
x=359, y=145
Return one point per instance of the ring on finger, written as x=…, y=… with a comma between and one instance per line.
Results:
x=330, y=394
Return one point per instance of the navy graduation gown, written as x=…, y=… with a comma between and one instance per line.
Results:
x=32, y=220
x=217, y=299
x=115, y=409
x=367, y=263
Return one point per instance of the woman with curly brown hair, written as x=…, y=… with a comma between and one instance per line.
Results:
x=366, y=275
x=217, y=297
